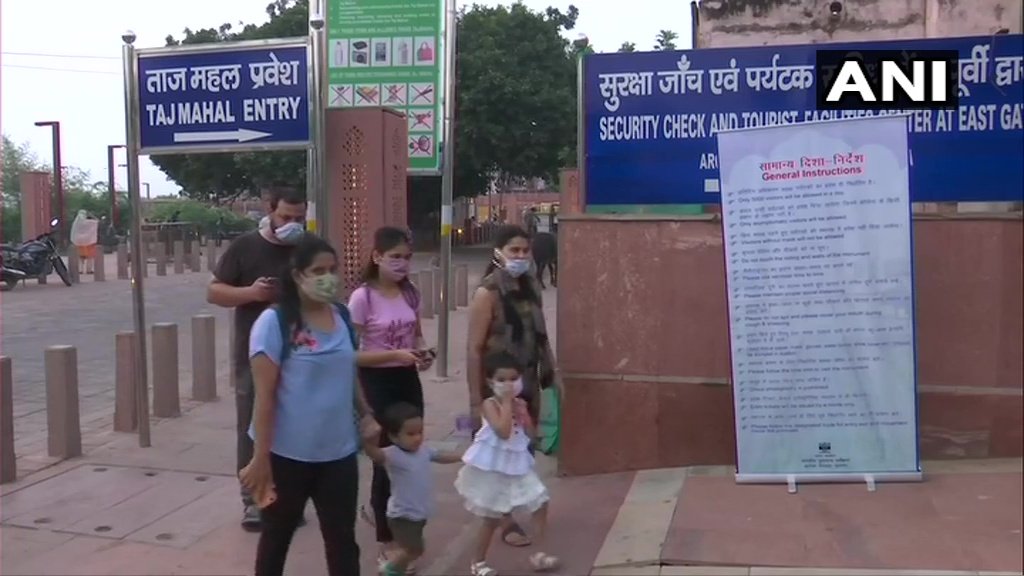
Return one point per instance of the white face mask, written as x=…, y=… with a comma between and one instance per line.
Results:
x=502, y=389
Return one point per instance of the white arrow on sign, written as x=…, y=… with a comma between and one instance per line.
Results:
x=239, y=135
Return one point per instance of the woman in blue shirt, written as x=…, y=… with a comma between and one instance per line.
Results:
x=303, y=358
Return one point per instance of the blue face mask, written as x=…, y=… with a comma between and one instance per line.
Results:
x=517, y=267
x=290, y=233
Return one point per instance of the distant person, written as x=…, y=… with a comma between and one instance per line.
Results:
x=84, y=232
x=507, y=315
x=303, y=357
x=385, y=310
x=246, y=279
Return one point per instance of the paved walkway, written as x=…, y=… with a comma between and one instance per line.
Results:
x=173, y=508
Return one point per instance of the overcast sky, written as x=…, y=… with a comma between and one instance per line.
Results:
x=61, y=60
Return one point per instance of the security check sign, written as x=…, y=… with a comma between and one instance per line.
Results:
x=232, y=99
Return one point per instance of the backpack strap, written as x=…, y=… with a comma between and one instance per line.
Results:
x=346, y=317
x=285, y=336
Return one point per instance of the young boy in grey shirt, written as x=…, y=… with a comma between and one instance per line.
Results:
x=408, y=464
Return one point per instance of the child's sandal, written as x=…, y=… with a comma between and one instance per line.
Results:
x=482, y=569
x=542, y=562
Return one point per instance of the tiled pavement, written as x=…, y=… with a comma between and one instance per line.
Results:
x=172, y=508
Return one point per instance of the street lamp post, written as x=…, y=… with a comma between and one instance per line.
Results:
x=112, y=183
x=58, y=179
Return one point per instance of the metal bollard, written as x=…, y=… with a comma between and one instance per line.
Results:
x=204, y=358
x=125, y=419
x=99, y=265
x=165, y=371
x=211, y=255
x=73, y=266
x=8, y=459
x=122, y=261
x=179, y=257
x=193, y=256
x=64, y=429
x=462, y=285
x=427, y=302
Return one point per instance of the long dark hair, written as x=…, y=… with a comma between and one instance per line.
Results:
x=308, y=248
x=525, y=291
x=384, y=239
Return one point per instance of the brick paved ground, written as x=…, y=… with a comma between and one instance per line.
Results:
x=87, y=316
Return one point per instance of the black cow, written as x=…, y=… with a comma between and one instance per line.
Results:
x=545, y=256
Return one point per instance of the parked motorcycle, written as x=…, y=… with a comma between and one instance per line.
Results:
x=32, y=259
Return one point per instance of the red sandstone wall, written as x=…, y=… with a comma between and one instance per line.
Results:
x=643, y=341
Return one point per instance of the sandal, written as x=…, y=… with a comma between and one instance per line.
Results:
x=482, y=569
x=514, y=535
x=542, y=562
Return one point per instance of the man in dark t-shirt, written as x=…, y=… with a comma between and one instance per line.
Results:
x=246, y=279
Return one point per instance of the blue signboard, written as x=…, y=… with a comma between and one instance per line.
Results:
x=651, y=119
x=243, y=98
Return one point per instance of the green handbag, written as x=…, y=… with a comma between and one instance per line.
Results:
x=550, y=420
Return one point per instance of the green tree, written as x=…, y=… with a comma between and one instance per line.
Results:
x=627, y=47
x=516, y=99
x=666, y=40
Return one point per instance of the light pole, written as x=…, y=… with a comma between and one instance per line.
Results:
x=447, y=184
x=58, y=179
x=146, y=184
x=581, y=44
x=112, y=182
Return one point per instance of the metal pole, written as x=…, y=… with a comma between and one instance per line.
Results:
x=131, y=107
x=316, y=168
x=581, y=134
x=447, y=183
x=112, y=183
x=58, y=185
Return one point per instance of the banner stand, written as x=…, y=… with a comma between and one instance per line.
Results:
x=817, y=230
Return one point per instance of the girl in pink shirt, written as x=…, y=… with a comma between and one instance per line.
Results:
x=385, y=311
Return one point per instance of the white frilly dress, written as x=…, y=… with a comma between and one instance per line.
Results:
x=498, y=477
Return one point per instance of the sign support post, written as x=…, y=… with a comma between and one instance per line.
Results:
x=447, y=184
x=318, y=217
x=251, y=96
x=131, y=111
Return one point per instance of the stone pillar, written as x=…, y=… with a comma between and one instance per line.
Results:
x=8, y=459
x=165, y=371
x=179, y=257
x=572, y=200
x=211, y=255
x=73, y=266
x=204, y=358
x=122, y=261
x=125, y=414
x=161, y=259
x=462, y=285
x=62, y=419
x=99, y=266
x=427, y=302
x=194, y=262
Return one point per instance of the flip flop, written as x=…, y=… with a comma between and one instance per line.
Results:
x=515, y=536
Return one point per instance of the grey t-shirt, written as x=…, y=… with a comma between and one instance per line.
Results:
x=412, y=482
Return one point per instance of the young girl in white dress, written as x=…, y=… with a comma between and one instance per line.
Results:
x=498, y=474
